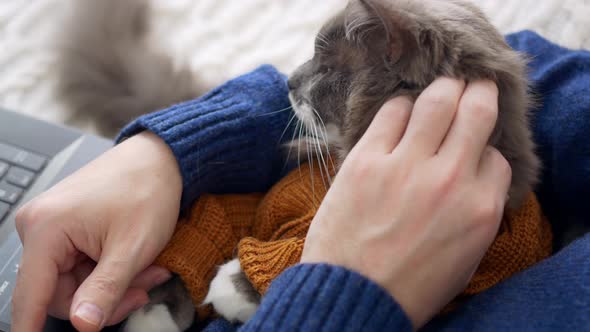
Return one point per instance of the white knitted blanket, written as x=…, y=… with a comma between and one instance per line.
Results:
x=224, y=38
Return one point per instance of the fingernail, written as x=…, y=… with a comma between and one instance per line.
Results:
x=90, y=313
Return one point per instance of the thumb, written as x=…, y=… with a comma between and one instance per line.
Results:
x=100, y=294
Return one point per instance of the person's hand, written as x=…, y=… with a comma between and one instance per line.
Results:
x=420, y=198
x=89, y=241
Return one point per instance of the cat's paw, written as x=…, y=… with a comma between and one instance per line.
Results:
x=170, y=310
x=231, y=294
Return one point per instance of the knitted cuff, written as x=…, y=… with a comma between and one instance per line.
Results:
x=227, y=141
x=326, y=298
x=206, y=238
x=263, y=261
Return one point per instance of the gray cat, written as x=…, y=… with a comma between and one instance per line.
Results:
x=377, y=49
x=368, y=53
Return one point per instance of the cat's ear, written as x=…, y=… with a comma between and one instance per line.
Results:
x=374, y=24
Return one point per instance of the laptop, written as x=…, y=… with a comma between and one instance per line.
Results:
x=34, y=155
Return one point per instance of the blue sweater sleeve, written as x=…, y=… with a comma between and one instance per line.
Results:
x=561, y=125
x=323, y=298
x=229, y=140
x=553, y=295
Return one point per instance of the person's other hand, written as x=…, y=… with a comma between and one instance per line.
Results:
x=419, y=200
x=89, y=241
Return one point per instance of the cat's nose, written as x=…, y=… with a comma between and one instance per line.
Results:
x=291, y=84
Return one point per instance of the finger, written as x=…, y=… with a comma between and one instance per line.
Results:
x=432, y=116
x=67, y=285
x=137, y=295
x=495, y=171
x=151, y=277
x=388, y=126
x=36, y=282
x=474, y=123
x=133, y=299
x=61, y=302
x=96, y=299
x=32, y=295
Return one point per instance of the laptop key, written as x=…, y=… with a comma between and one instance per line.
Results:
x=31, y=161
x=19, y=177
x=3, y=169
x=21, y=157
x=8, y=153
x=3, y=210
x=9, y=193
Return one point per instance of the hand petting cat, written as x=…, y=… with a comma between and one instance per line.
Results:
x=417, y=203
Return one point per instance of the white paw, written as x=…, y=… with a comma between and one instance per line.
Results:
x=157, y=319
x=233, y=304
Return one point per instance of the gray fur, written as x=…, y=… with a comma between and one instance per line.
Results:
x=174, y=295
x=377, y=49
x=108, y=70
x=243, y=286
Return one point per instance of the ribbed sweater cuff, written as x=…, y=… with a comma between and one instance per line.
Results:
x=326, y=298
x=227, y=141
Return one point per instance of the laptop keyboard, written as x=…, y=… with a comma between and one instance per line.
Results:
x=18, y=169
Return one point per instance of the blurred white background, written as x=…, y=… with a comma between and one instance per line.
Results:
x=224, y=38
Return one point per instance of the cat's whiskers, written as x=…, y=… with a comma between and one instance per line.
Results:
x=275, y=112
x=322, y=41
x=316, y=151
x=292, y=139
x=299, y=150
x=354, y=25
x=287, y=128
x=324, y=131
x=321, y=161
x=324, y=172
x=310, y=164
x=322, y=38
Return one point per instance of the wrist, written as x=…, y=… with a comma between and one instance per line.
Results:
x=155, y=158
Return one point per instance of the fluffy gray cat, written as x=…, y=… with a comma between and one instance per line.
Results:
x=368, y=53
x=375, y=50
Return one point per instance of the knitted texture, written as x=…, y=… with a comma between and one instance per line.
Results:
x=206, y=238
x=279, y=222
x=317, y=290
x=286, y=212
x=229, y=140
x=525, y=239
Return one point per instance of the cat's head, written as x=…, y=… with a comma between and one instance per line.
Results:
x=374, y=50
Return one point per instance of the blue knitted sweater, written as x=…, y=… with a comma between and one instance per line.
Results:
x=229, y=142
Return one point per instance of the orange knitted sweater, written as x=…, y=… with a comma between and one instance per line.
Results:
x=267, y=232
